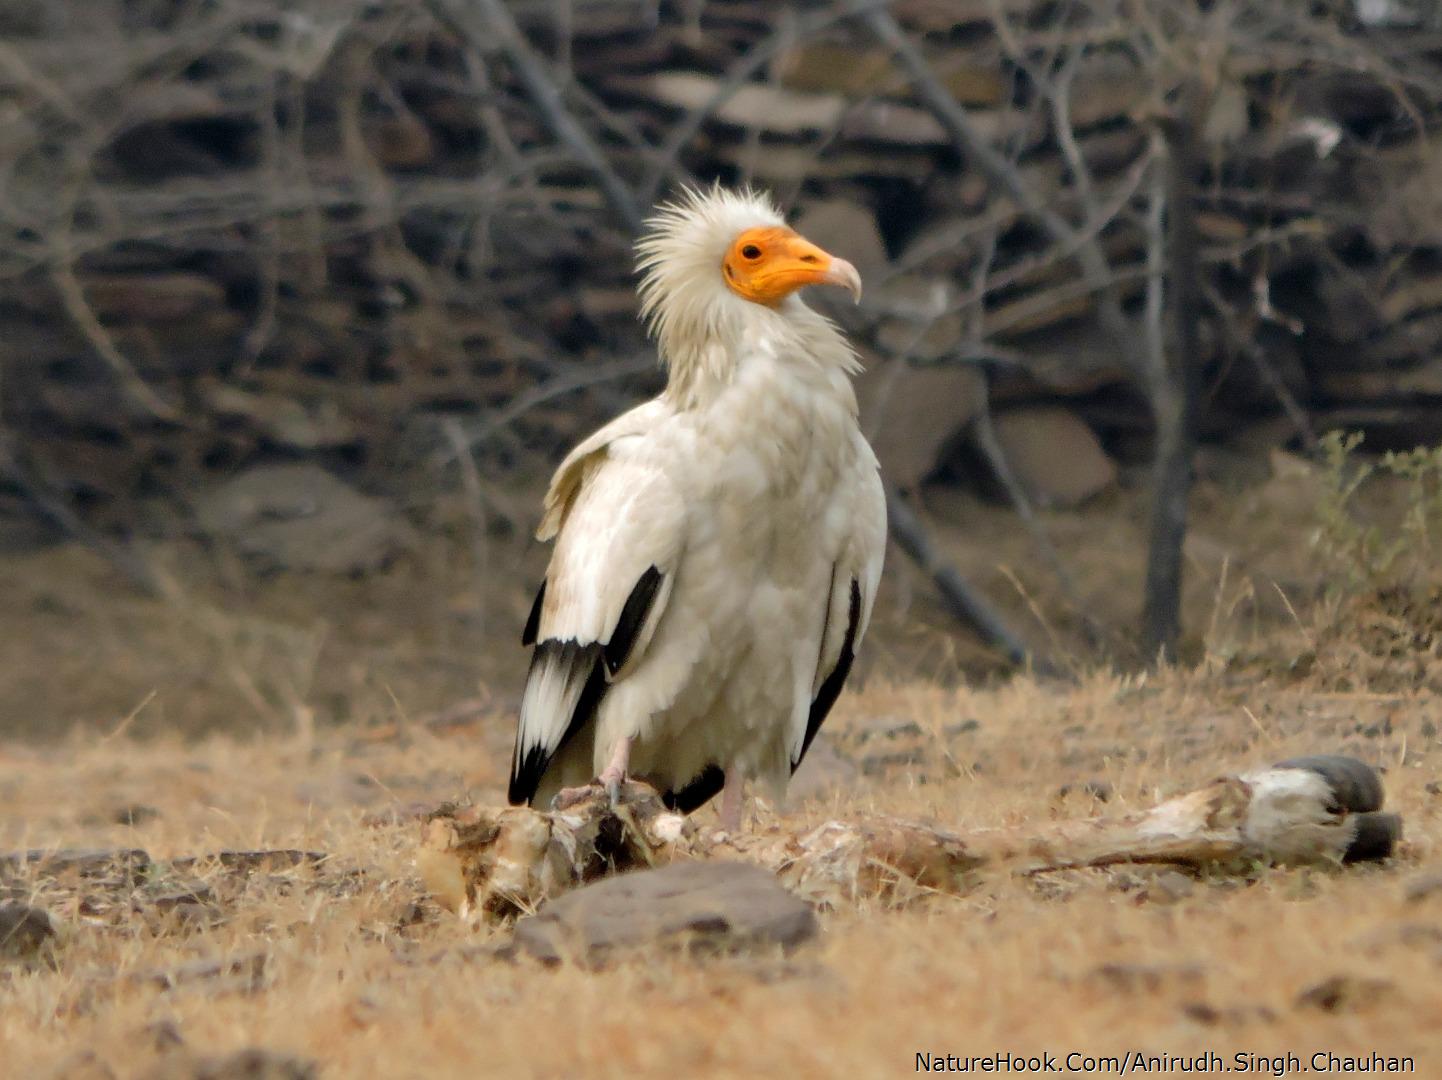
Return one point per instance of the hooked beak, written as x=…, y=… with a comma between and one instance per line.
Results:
x=844, y=274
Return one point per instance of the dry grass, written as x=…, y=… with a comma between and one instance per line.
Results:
x=338, y=964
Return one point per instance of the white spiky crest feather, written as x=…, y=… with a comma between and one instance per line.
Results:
x=691, y=312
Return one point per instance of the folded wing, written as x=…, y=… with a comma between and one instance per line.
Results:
x=618, y=520
x=854, y=580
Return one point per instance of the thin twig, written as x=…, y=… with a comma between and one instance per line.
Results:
x=991, y=448
x=530, y=68
x=1004, y=175
x=475, y=500
x=489, y=425
x=85, y=320
x=53, y=507
x=741, y=72
x=964, y=602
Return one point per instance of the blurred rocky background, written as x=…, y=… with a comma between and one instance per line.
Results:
x=300, y=302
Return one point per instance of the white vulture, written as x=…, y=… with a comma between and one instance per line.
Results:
x=717, y=549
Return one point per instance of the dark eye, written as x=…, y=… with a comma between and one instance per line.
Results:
x=751, y=251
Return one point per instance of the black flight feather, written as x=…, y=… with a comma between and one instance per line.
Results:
x=633, y=617
x=533, y=620
x=831, y=687
x=579, y=662
x=697, y=792
x=591, y=661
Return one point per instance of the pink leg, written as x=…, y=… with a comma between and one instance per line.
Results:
x=614, y=774
x=731, y=800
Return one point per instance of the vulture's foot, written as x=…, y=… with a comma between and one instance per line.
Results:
x=731, y=794
x=614, y=774
x=568, y=797
x=571, y=796
x=611, y=779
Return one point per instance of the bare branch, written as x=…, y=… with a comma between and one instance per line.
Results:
x=962, y=600
x=530, y=68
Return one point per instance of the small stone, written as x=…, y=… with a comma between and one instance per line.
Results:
x=1144, y=978
x=1167, y=887
x=1204, y=1012
x=136, y=814
x=1346, y=993
x=123, y=864
x=163, y=1035
x=27, y=934
x=152, y=297
x=242, y=974
x=702, y=906
x=300, y=517
x=914, y=413
x=845, y=225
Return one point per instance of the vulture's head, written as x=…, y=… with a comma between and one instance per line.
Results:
x=720, y=267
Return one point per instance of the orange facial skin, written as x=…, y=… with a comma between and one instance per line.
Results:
x=767, y=265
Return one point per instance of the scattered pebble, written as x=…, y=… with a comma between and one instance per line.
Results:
x=27, y=934
x=1346, y=993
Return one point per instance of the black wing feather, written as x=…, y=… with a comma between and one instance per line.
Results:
x=633, y=617
x=533, y=620
x=580, y=662
x=697, y=792
x=590, y=661
x=831, y=688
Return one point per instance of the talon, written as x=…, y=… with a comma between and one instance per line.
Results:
x=611, y=779
x=568, y=797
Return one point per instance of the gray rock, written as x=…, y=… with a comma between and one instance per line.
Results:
x=912, y=414
x=110, y=864
x=1054, y=455
x=300, y=517
x=705, y=907
x=27, y=934
x=1346, y=994
x=286, y=421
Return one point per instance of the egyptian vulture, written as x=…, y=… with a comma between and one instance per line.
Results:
x=717, y=549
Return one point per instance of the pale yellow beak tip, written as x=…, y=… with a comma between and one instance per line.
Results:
x=842, y=273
